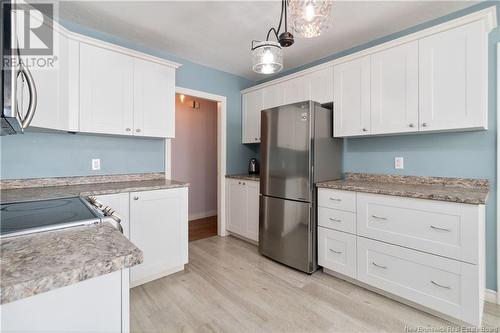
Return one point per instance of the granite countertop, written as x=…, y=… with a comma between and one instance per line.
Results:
x=245, y=177
x=36, y=263
x=460, y=190
x=52, y=188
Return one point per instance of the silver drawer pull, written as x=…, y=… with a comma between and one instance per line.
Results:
x=440, y=285
x=438, y=228
x=334, y=220
x=335, y=199
x=136, y=198
x=337, y=252
x=379, y=217
x=379, y=266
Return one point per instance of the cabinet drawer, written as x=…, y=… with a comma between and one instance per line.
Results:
x=443, y=228
x=337, y=251
x=445, y=285
x=337, y=219
x=336, y=199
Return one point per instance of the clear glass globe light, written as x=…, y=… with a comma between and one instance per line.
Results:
x=267, y=57
x=309, y=18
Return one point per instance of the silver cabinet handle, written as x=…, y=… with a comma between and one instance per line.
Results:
x=137, y=130
x=136, y=198
x=379, y=266
x=256, y=139
x=440, y=285
x=242, y=183
x=365, y=130
x=25, y=122
x=379, y=217
x=334, y=220
x=410, y=125
x=424, y=124
x=128, y=129
x=438, y=228
x=335, y=199
x=239, y=183
x=337, y=252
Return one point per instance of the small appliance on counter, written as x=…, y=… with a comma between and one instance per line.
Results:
x=253, y=166
x=22, y=218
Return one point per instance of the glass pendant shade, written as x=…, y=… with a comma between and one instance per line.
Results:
x=309, y=18
x=267, y=57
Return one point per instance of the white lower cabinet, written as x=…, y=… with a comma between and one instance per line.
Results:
x=242, y=208
x=93, y=305
x=428, y=252
x=159, y=227
x=337, y=251
x=446, y=285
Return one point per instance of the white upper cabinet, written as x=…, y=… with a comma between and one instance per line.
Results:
x=106, y=91
x=351, y=96
x=321, y=85
x=394, y=90
x=273, y=95
x=435, y=79
x=154, y=99
x=296, y=90
x=56, y=86
x=453, y=79
x=251, y=107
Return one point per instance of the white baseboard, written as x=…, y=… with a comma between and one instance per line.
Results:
x=490, y=296
x=155, y=276
x=202, y=215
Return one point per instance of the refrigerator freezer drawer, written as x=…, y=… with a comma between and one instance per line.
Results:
x=286, y=234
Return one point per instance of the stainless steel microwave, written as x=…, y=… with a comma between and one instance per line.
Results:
x=16, y=78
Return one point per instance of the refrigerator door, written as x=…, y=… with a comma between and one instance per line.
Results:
x=286, y=233
x=286, y=152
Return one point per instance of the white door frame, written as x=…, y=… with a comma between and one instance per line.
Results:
x=221, y=152
x=498, y=173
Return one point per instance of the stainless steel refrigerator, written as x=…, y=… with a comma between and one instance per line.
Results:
x=297, y=150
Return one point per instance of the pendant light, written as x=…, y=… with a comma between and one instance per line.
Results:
x=267, y=56
x=311, y=17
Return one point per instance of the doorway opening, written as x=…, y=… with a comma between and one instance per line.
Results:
x=197, y=155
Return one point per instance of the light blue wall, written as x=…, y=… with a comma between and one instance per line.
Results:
x=62, y=154
x=467, y=154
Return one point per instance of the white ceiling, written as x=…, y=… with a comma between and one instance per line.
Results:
x=218, y=34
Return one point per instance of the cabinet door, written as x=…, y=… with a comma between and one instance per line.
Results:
x=236, y=207
x=106, y=91
x=453, y=79
x=351, y=100
x=394, y=90
x=273, y=95
x=321, y=85
x=57, y=88
x=159, y=227
x=251, y=107
x=92, y=305
x=252, y=188
x=154, y=99
x=296, y=90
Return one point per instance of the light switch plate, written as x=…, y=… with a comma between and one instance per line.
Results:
x=399, y=163
x=96, y=164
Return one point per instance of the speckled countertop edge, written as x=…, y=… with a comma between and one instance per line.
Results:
x=459, y=190
x=52, y=192
x=244, y=177
x=23, y=255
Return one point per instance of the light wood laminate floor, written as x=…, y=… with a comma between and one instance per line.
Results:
x=228, y=287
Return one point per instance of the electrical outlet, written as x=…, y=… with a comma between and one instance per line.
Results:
x=399, y=163
x=96, y=164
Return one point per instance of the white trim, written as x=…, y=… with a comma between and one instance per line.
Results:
x=150, y=278
x=490, y=296
x=498, y=172
x=221, y=152
x=198, y=216
x=489, y=15
x=168, y=158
